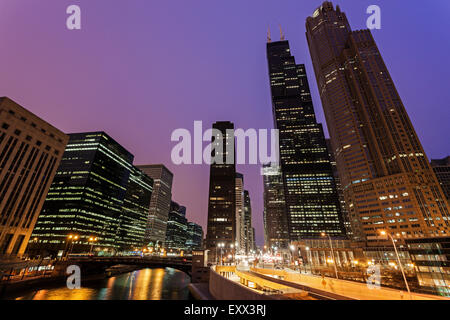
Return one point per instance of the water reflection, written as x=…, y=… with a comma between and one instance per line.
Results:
x=145, y=284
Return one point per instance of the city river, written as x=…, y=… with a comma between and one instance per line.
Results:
x=145, y=284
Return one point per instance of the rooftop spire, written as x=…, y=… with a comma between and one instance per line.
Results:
x=281, y=33
x=268, y=34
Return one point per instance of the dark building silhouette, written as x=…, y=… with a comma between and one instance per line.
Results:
x=30, y=152
x=221, y=227
x=312, y=203
x=177, y=227
x=441, y=168
x=387, y=180
x=155, y=233
x=249, y=235
x=275, y=219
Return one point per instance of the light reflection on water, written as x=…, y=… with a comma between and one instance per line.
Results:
x=145, y=284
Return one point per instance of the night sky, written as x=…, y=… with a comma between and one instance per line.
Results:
x=139, y=69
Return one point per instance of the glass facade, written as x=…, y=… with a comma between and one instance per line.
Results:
x=89, y=198
x=194, y=236
x=312, y=202
x=133, y=219
x=275, y=219
x=431, y=258
x=177, y=227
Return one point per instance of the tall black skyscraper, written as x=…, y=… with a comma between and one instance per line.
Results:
x=222, y=194
x=312, y=202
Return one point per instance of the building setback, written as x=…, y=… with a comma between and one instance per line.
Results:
x=387, y=180
x=221, y=228
x=275, y=220
x=441, y=168
x=155, y=234
x=30, y=152
x=86, y=198
x=134, y=215
x=177, y=224
x=311, y=199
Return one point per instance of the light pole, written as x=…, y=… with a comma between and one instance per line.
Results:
x=383, y=233
x=221, y=249
x=308, y=253
x=217, y=256
x=232, y=251
x=332, y=253
x=71, y=238
x=92, y=240
x=292, y=247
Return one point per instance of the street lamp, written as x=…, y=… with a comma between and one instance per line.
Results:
x=383, y=233
x=71, y=238
x=292, y=247
x=92, y=240
x=332, y=253
x=309, y=254
x=221, y=245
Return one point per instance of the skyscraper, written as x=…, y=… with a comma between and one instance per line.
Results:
x=240, y=237
x=86, y=197
x=386, y=177
x=441, y=168
x=155, y=234
x=177, y=227
x=222, y=194
x=30, y=152
x=248, y=230
x=275, y=219
x=194, y=236
x=345, y=219
x=312, y=203
x=134, y=215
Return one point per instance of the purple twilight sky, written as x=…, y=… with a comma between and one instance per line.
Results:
x=139, y=69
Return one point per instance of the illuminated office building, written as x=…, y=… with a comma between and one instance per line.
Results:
x=248, y=229
x=86, y=198
x=134, y=215
x=276, y=233
x=30, y=152
x=240, y=238
x=194, y=236
x=155, y=234
x=385, y=175
x=311, y=199
x=177, y=225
